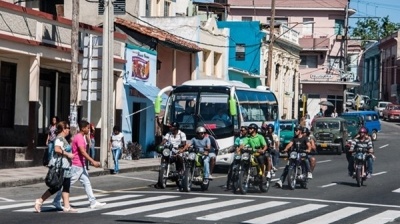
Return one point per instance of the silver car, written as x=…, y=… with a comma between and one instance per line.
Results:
x=380, y=107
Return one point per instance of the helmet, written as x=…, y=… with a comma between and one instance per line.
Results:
x=200, y=129
x=175, y=125
x=254, y=126
x=363, y=130
x=271, y=126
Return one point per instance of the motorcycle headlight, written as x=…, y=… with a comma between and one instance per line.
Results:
x=192, y=156
x=293, y=155
x=166, y=152
x=245, y=156
x=237, y=156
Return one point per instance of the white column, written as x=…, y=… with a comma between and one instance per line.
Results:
x=34, y=78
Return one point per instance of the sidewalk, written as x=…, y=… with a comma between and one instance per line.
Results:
x=32, y=175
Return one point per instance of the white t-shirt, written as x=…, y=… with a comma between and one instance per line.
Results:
x=175, y=140
x=116, y=140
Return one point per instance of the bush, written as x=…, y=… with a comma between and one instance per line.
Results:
x=133, y=151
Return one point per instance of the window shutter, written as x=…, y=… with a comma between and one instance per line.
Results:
x=119, y=7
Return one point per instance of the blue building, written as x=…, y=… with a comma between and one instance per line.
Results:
x=370, y=78
x=244, y=51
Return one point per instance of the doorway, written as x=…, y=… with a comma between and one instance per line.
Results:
x=136, y=118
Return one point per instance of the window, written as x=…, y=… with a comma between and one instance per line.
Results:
x=339, y=27
x=240, y=52
x=246, y=18
x=308, y=26
x=278, y=20
x=119, y=7
x=167, y=5
x=309, y=61
x=8, y=73
x=148, y=8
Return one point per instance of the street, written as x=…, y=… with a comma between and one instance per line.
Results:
x=332, y=196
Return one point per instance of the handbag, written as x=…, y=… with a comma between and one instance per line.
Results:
x=55, y=176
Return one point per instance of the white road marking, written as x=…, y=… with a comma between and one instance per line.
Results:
x=396, y=191
x=384, y=217
x=383, y=146
x=287, y=213
x=380, y=173
x=6, y=199
x=200, y=208
x=335, y=216
x=324, y=161
x=135, y=178
x=241, y=210
x=329, y=185
x=146, y=208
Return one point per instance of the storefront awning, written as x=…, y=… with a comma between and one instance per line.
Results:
x=148, y=91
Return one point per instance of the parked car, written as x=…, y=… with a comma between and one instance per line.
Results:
x=286, y=132
x=380, y=107
x=391, y=112
x=359, y=101
x=331, y=134
x=370, y=121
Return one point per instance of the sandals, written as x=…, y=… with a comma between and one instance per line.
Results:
x=38, y=205
x=70, y=210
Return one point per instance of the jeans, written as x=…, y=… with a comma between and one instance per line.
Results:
x=92, y=150
x=81, y=174
x=206, y=162
x=50, y=145
x=116, y=153
x=275, y=157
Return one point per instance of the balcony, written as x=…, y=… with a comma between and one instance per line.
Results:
x=288, y=34
x=314, y=44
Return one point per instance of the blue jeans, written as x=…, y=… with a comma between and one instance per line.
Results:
x=50, y=145
x=81, y=174
x=92, y=150
x=275, y=157
x=206, y=162
x=116, y=153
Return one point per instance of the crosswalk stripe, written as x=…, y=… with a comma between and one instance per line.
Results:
x=146, y=208
x=286, y=213
x=80, y=203
x=200, y=208
x=335, y=216
x=396, y=191
x=383, y=217
x=132, y=202
x=25, y=204
x=240, y=211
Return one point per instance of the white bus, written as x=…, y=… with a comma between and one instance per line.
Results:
x=198, y=102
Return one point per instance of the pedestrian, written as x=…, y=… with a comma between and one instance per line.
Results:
x=116, y=145
x=92, y=151
x=78, y=168
x=334, y=113
x=62, y=152
x=51, y=136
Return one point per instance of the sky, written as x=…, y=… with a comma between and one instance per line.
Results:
x=375, y=8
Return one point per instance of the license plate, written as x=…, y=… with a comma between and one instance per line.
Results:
x=324, y=145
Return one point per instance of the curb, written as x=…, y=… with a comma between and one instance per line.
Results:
x=36, y=180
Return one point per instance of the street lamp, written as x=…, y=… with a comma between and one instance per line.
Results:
x=272, y=39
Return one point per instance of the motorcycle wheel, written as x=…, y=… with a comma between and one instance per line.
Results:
x=292, y=178
x=359, y=178
x=162, y=180
x=187, y=180
x=243, y=184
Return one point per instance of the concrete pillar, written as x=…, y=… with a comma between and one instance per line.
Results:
x=34, y=79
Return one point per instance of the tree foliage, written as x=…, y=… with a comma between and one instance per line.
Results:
x=374, y=29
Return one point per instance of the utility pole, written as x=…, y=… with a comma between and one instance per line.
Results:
x=346, y=30
x=107, y=79
x=271, y=43
x=74, y=67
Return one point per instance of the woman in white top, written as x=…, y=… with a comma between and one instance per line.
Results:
x=116, y=146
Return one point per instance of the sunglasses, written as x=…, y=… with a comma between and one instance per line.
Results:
x=201, y=133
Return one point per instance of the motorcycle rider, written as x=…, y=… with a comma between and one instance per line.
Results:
x=177, y=139
x=299, y=140
x=240, y=141
x=258, y=144
x=365, y=142
x=213, y=152
x=274, y=144
x=311, y=158
x=204, y=145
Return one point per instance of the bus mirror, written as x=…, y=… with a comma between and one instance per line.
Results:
x=157, y=105
x=232, y=107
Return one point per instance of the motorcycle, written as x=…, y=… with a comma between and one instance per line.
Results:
x=234, y=179
x=167, y=169
x=360, y=166
x=193, y=170
x=297, y=169
x=249, y=174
